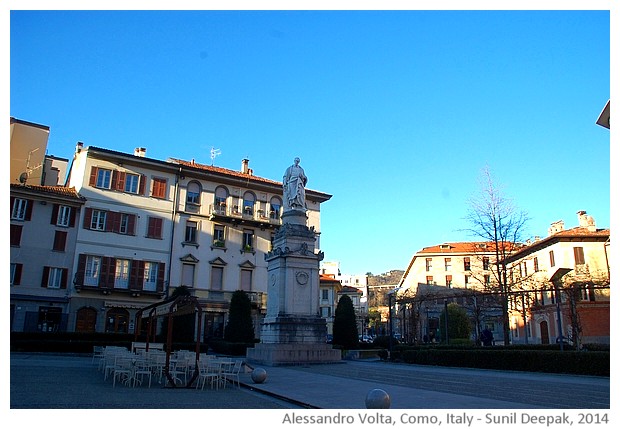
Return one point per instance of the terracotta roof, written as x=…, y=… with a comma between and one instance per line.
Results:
x=222, y=170
x=62, y=191
x=466, y=247
x=569, y=234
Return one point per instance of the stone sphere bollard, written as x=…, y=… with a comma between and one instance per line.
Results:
x=377, y=398
x=259, y=375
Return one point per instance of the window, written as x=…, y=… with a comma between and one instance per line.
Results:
x=131, y=183
x=218, y=236
x=154, y=228
x=92, y=271
x=16, y=235
x=193, y=193
x=551, y=258
x=187, y=275
x=16, y=274
x=103, y=178
x=449, y=281
x=485, y=263
x=54, y=278
x=536, y=264
x=217, y=276
x=123, y=227
x=466, y=264
x=63, y=217
x=429, y=264
x=159, y=187
x=276, y=204
x=326, y=312
x=98, y=219
x=579, y=258
x=467, y=278
x=221, y=195
x=324, y=294
x=121, y=274
x=448, y=263
x=248, y=203
x=429, y=280
x=191, y=229
x=487, y=280
x=20, y=209
x=117, y=320
x=60, y=241
x=248, y=240
x=150, y=276
x=524, y=268
x=246, y=280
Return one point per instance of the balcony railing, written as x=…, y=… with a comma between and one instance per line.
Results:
x=247, y=213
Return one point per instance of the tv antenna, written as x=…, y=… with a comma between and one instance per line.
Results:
x=214, y=153
x=23, y=178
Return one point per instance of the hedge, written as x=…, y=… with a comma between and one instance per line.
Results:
x=549, y=361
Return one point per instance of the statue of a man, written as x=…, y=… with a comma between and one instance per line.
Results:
x=294, y=183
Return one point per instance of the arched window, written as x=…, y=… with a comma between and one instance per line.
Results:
x=221, y=195
x=86, y=320
x=193, y=193
x=117, y=321
x=275, y=205
x=248, y=203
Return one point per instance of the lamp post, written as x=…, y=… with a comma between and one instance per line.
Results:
x=390, y=317
x=445, y=305
x=556, y=280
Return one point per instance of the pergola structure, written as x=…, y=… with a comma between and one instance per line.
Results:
x=170, y=308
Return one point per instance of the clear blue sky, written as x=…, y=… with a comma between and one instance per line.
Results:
x=394, y=113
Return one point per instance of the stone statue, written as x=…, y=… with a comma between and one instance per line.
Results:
x=294, y=183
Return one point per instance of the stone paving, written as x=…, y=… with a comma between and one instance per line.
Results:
x=41, y=381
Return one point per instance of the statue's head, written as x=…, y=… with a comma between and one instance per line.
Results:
x=297, y=160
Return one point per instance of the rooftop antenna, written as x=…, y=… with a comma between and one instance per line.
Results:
x=214, y=153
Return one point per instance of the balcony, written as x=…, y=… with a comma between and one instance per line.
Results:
x=246, y=216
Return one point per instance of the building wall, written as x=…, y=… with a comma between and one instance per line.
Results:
x=28, y=142
x=36, y=254
x=137, y=247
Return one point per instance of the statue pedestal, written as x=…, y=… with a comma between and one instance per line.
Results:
x=292, y=332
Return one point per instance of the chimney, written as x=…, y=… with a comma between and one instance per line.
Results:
x=556, y=227
x=586, y=221
x=78, y=147
x=140, y=151
x=245, y=166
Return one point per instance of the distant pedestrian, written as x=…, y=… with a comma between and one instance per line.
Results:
x=487, y=338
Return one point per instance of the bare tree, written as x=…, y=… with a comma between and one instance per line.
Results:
x=495, y=219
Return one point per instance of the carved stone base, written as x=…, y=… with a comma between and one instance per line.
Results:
x=292, y=354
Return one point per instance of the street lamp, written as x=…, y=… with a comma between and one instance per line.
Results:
x=556, y=279
x=390, y=318
x=445, y=306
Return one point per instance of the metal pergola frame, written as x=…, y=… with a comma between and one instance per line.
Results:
x=170, y=308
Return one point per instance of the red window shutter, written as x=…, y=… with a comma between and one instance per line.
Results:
x=46, y=273
x=81, y=269
x=54, y=219
x=109, y=221
x=160, y=277
x=72, y=216
x=63, y=278
x=139, y=284
x=158, y=227
x=16, y=235
x=93, y=176
x=29, y=205
x=17, y=277
x=118, y=178
x=108, y=266
x=142, y=185
x=131, y=225
x=60, y=240
x=88, y=217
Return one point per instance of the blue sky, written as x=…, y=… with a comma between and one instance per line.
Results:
x=394, y=113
